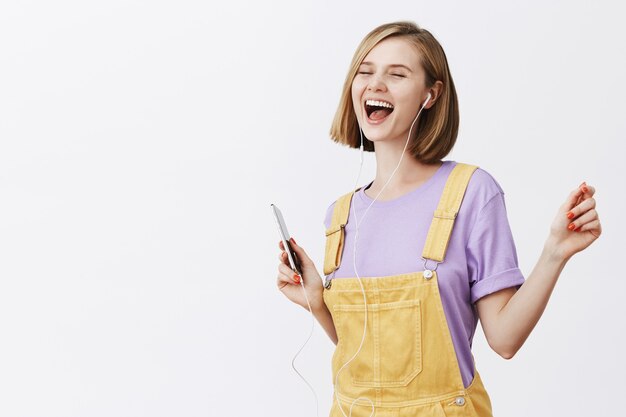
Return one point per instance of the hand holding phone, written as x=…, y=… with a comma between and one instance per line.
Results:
x=284, y=235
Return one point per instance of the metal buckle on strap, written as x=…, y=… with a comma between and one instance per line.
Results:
x=426, y=260
x=443, y=214
x=428, y=273
x=329, y=280
x=327, y=283
x=335, y=229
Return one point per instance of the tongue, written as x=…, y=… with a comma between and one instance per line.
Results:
x=380, y=114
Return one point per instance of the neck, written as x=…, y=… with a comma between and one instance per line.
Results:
x=409, y=173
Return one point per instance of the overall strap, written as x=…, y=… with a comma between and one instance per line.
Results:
x=443, y=218
x=335, y=233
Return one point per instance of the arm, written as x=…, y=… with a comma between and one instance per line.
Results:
x=323, y=316
x=289, y=283
x=508, y=316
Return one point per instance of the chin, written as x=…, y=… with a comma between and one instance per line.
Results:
x=377, y=135
x=374, y=137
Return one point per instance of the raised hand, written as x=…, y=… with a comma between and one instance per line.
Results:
x=576, y=225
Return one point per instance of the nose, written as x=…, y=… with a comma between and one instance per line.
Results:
x=376, y=83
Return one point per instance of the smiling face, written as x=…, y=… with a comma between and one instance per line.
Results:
x=390, y=73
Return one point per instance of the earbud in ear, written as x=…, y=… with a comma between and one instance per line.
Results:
x=427, y=99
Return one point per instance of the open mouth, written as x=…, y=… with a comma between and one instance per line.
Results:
x=377, y=113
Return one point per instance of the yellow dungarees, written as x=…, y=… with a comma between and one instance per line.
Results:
x=407, y=366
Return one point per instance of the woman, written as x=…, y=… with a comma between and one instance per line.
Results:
x=404, y=331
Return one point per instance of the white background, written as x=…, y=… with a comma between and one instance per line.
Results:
x=142, y=143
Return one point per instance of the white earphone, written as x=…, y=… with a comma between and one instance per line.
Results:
x=428, y=98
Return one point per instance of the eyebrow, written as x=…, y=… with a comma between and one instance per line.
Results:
x=392, y=65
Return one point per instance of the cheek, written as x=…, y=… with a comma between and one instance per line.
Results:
x=357, y=87
x=356, y=97
x=409, y=106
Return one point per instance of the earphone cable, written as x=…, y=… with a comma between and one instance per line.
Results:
x=356, y=235
x=336, y=383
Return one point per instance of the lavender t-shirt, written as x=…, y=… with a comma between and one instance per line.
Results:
x=481, y=257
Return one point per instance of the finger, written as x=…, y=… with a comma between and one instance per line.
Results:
x=580, y=197
x=302, y=256
x=287, y=278
x=592, y=226
x=581, y=208
x=583, y=219
x=289, y=273
x=282, y=280
x=588, y=190
x=573, y=199
x=280, y=245
x=587, y=204
x=283, y=258
x=578, y=200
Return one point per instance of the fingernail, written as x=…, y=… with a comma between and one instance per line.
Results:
x=296, y=278
x=585, y=189
x=571, y=226
x=570, y=215
x=293, y=240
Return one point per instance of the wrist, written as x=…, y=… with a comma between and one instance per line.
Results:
x=551, y=253
x=317, y=304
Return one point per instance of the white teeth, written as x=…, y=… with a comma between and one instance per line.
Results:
x=378, y=103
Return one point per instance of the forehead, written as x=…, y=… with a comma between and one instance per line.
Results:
x=394, y=50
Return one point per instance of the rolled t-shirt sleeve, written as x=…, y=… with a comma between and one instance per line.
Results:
x=491, y=254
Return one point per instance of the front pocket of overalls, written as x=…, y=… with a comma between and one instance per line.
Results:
x=391, y=355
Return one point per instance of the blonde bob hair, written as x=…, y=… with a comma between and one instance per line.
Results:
x=436, y=130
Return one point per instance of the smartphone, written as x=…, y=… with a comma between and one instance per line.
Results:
x=284, y=235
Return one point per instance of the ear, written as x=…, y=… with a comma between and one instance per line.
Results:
x=435, y=92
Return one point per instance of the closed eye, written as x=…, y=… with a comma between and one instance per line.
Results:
x=395, y=75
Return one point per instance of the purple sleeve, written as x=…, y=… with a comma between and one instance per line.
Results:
x=491, y=254
x=329, y=215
